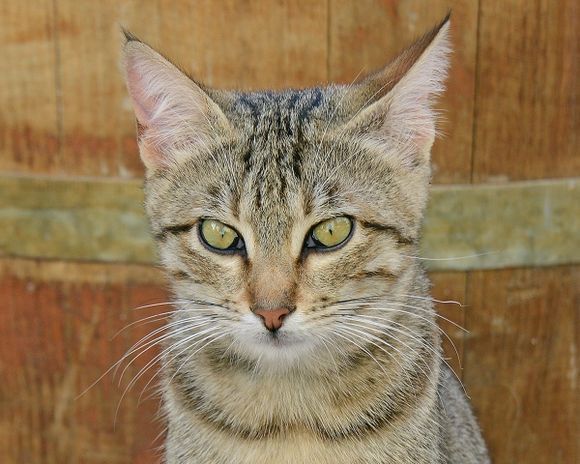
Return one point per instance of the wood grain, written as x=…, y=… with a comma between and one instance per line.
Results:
x=248, y=44
x=56, y=330
x=97, y=119
x=527, y=121
x=29, y=128
x=521, y=364
x=365, y=35
x=76, y=118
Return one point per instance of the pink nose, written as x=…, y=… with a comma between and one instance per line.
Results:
x=273, y=318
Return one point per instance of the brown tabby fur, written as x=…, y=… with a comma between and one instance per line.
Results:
x=355, y=374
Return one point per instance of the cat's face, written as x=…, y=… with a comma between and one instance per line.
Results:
x=280, y=215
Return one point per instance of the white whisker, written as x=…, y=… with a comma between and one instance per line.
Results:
x=452, y=258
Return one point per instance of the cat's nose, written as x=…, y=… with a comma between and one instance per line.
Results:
x=273, y=318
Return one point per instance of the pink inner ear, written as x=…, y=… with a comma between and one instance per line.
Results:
x=143, y=104
x=175, y=116
x=153, y=157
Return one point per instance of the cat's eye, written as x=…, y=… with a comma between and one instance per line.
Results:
x=330, y=234
x=220, y=237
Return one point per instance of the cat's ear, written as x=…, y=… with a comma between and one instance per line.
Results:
x=394, y=106
x=175, y=117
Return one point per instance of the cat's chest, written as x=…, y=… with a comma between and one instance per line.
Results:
x=247, y=406
x=315, y=434
x=209, y=447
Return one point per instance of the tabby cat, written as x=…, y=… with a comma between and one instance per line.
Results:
x=288, y=223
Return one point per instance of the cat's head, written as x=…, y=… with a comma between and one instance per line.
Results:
x=279, y=215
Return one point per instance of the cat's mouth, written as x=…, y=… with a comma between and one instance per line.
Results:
x=285, y=341
x=279, y=339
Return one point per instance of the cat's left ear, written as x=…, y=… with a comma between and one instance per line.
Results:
x=394, y=106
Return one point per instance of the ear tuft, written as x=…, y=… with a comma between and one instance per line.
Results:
x=128, y=35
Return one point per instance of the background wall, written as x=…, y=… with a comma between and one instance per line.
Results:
x=74, y=253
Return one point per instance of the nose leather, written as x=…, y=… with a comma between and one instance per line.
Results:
x=273, y=318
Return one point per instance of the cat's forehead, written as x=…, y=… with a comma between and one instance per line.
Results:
x=279, y=131
x=282, y=165
x=289, y=104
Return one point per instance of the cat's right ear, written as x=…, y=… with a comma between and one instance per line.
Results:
x=175, y=117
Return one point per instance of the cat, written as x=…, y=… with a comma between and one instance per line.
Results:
x=288, y=223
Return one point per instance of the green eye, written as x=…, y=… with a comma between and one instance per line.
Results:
x=330, y=233
x=220, y=237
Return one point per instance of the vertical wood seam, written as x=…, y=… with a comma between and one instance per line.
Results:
x=57, y=79
x=468, y=274
x=328, y=39
x=475, y=93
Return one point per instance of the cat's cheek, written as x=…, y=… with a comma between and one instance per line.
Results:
x=388, y=263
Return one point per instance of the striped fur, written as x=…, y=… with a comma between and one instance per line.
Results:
x=355, y=374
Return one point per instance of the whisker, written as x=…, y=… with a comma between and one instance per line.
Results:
x=341, y=333
x=154, y=305
x=113, y=366
x=151, y=363
x=391, y=346
x=175, y=323
x=438, y=355
x=208, y=339
x=418, y=308
x=350, y=300
x=324, y=341
x=144, y=347
x=155, y=318
x=212, y=304
x=388, y=328
x=390, y=321
x=189, y=357
x=420, y=359
x=424, y=298
x=451, y=258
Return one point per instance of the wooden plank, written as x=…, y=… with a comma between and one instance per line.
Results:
x=97, y=120
x=29, y=132
x=365, y=34
x=56, y=331
x=527, y=122
x=90, y=220
x=248, y=44
x=494, y=226
x=521, y=362
x=466, y=227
